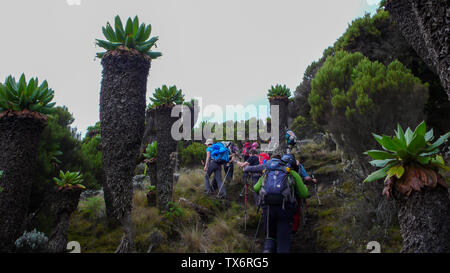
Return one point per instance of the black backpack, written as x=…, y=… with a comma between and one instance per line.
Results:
x=277, y=186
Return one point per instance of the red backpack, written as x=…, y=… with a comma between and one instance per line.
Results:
x=263, y=158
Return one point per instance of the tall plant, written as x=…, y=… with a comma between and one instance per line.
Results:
x=163, y=101
x=23, y=109
x=65, y=202
x=409, y=163
x=126, y=65
x=279, y=96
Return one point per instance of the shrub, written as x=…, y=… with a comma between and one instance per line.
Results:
x=32, y=242
x=304, y=127
x=193, y=154
x=92, y=208
x=352, y=96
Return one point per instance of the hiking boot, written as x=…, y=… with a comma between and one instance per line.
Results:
x=222, y=197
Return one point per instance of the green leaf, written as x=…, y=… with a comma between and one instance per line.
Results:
x=380, y=163
x=377, y=175
x=429, y=136
x=408, y=135
x=129, y=27
x=377, y=154
x=118, y=24
x=135, y=25
x=154, y=55
x=416, y=144
x=140, y=33
x=438, y=142
x=421, y=129
x=147, y=33
x=397, y=171
x=400, y=133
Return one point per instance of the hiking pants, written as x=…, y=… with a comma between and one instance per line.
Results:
x=278, y=227
x=214, y=167
x=228, y=169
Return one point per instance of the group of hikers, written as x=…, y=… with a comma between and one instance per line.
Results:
x=278, y=182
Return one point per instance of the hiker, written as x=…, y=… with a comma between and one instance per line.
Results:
x=245, y=150
x=253, y=160
x=216, y=156
x=228, y=168
x=295, y=164
x=302, y=205
x=291, y=140
x=278, y=188
x=255, y=145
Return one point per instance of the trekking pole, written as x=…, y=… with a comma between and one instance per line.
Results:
x=223, y=182
x=257, y=230
x=245, y=206
x=315, y=189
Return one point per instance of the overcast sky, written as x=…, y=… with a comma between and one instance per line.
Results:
x=227, y=52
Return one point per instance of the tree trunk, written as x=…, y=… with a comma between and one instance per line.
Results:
x=122, y=117
x=425, y=25
x=20, y=134
x=164, y=159
x=64, y=204
x=107, y=197
x=424, y=219
x=283, y=104
x=149, y=133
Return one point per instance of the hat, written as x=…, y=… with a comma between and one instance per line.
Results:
x=209, y=141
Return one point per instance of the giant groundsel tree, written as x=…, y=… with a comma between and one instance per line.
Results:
x=23, y=109
x=126, y=65
x=163, y=101
x=410, y=163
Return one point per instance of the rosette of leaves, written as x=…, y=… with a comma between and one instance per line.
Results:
x=409, y=160
x=279, y=91
x=150, y=154
x=167, y=96
x=22, y=95
x=133, y=36
x=69, y=180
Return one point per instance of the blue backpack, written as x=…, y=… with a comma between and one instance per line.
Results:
x=220, y=153
x=277, y=185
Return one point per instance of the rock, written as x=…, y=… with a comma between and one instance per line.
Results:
x=140, y=182
x=140, y=169
x=91, y=193
x=155, y=239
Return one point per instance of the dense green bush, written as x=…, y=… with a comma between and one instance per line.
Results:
x=61, y=149
x=193, y=154
x=304, y=127
x=352, y=97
